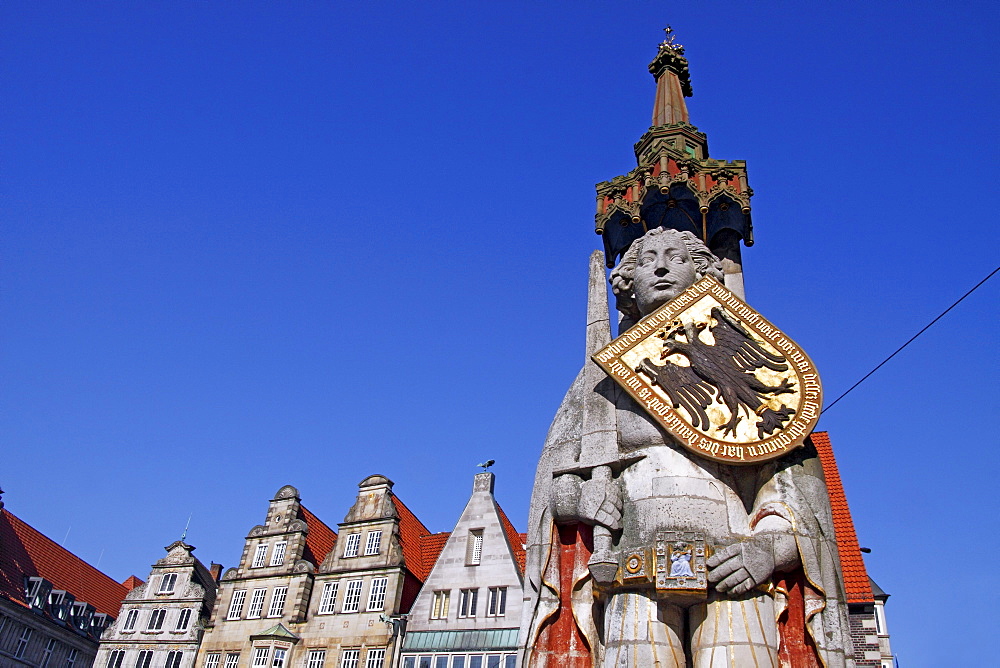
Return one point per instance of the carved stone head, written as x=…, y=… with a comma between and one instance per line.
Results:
x=657, y=267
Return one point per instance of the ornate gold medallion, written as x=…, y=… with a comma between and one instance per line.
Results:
x=719, y=377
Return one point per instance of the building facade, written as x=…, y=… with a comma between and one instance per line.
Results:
x=468, y=612
x=53, y=605
x=161, y=621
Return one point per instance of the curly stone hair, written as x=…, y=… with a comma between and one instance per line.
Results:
x=621, y=276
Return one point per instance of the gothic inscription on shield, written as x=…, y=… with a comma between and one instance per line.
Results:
x=719, y=377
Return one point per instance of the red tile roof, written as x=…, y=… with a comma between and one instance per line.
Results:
x=132, y=583
x=411, y=530
x=515, y=539
x=855, y=575
x=320, y=539
x=25, y=551
x=430, y=549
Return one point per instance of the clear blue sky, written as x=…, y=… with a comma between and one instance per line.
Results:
x=250, y=244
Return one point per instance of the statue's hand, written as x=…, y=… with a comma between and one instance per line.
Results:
x=740, y=567
x=601, y=503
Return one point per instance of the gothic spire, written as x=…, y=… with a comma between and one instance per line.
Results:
x=673, y=82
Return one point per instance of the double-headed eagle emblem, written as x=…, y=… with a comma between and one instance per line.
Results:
x=721, y=371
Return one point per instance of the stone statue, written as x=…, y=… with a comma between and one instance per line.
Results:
x=610, y=481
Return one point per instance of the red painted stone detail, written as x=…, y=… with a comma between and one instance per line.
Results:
x=795, y=645
x=560, y=637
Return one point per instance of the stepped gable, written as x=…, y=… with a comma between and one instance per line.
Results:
x=516, y=540
x=320, y=539
x=856, y=582
x=28, y=552
x=411, y=530
x=132, y=583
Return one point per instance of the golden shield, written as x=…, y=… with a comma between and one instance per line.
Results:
x=725, y=382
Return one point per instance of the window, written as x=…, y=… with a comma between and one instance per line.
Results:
x=441, y=661
x=212, y=661
x=278, y=554
x=156, y=620
x=184, y=620
x=349, y=658
x=173, y=659
x=236, y=605
x=497, y=603
x=167, y=583
x=317, y=657
x=259, y=556
x=260, y=657
x=256, y=603
x=115, y=659
x=233, y=660
x=376, y=593
x=22, y=642
x=50, y=645
x=144, y=658
x=277, y=602
x=374, y=542
x=474, y=548
x=329, y=598
x=130, y=620
x=375, y=658
x=351, y=548
x=71, y=657
x=3, y=622
x=352, y=598
x=279, y=657
x=467, y=603
x=439, y=607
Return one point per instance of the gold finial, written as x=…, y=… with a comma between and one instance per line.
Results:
x=669, y=42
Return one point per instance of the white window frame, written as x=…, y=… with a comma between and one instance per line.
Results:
x=183, y=620
x=22, y=642
x=474, y=552
x=349, y=658
x=352, y=544
x=260, y=657
x=116, y=658
x=212, y=660
x=155, y=622
x=328, y=600
x=50, y=645
x=439, y=606
x=146, y=654
x=375, y=657
x=232, y=660
x=277, y=607
x=376, y=594
x=278, y=553
x=236, y=604
x=256, y=607
x=259, y=556
x=278, y=657
x=177, y=655
x=316, y=658
x=373, y=544
x=168, y=581
x=131, y=617
x=468, y=602
x=71, y=657
x=496, y=605
x=352, y=596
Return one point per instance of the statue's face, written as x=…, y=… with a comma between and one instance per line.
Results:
x=663, y=270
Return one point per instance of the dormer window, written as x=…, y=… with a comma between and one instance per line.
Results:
x=353, y=543
x=374, y=542
x=167, y=583
x=260, y=556
x=60, y=602
x=82, y=614
x=278, y=554
x=36, y=591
